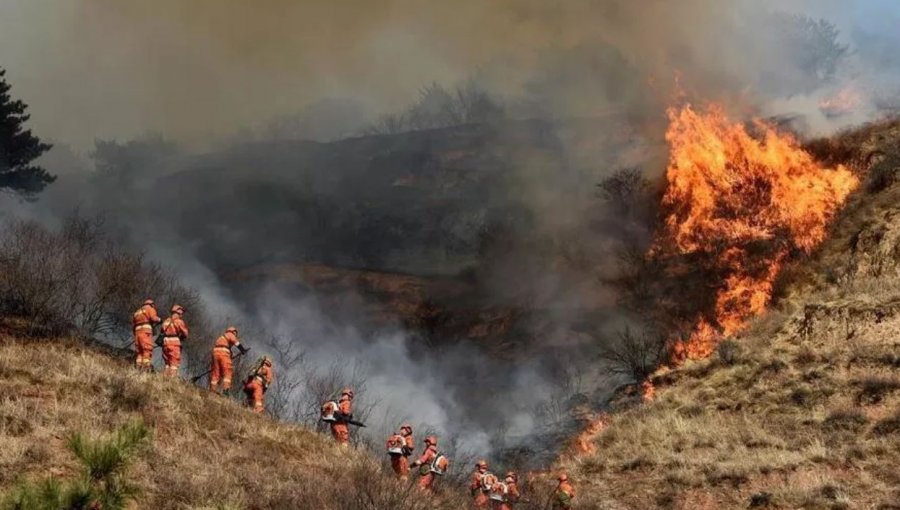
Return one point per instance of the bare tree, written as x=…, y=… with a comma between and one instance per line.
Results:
x=636, y=354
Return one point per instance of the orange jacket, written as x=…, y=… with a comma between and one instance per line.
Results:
x=228, y=340
x=428, y=456
x=174, y=326
x=345, y=406
x=145, y=315
x=564, y=494
x=512, y=492
x=265, y=375
x=477, y=482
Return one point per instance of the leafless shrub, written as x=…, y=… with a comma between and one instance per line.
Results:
x=729, y=352
x=302, y=386
x=636, y=354
x=77, y=279
x=438, y=107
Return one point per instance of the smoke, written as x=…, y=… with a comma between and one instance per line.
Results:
x=200, y=70
x=235, y=84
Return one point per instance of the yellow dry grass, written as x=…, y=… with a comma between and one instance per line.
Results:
x=207, y=451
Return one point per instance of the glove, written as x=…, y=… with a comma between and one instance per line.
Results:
x=242, y=348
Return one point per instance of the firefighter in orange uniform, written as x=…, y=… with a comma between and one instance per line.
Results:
x=258, y=381
x=431, y=464
x=339, y=428
x=222, y=367
x=480, y=485
x=506, y=494
x=142, y=322
x=174, y=331
x=565, y=493
x=400, y=446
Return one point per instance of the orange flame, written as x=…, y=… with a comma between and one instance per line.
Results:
x=585, y=443
x=741, y=204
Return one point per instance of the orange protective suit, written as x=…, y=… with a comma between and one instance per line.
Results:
x=256, y=386
x=510, y=497
x=565, y=493
x=142, y=322
x=340, y=429
x=174, y=330
x=222, y=367
x=400, y=461
x=426, y=477
x=478, y=487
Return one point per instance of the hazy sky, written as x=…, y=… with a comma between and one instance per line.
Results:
x=194, y=69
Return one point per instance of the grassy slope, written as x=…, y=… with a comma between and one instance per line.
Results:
x=808, y=412
x=207, y=451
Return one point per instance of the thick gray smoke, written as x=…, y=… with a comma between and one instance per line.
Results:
x=252, y=165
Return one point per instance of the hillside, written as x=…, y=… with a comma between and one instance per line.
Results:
x=802, y=410
x=206, y=452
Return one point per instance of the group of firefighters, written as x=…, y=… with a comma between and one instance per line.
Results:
x=487, y=489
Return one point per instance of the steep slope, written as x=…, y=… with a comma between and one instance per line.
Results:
x=207, y=451
x=803, y=409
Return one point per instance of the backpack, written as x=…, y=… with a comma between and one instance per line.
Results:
x=328, y=410
x=440, y=464
x=499, y=491
x=395, y=444
x=487, y=482
x=257, y=366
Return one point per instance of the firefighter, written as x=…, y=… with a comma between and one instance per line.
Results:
x=340, y=430
x=505, y=494
x=174, y=331
x=431, y=464
x=222, y=367
x=258, y=381
x=142, y=322
x=565, y=493
x=399, y=447
x=481, y=484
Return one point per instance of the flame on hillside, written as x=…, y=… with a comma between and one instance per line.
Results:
x=740, y=204
x=585, y=443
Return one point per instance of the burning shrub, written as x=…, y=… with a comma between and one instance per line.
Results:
x=736, y=208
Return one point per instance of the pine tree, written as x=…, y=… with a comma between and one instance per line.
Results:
x=18, y=148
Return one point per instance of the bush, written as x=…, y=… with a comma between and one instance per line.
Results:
x=635, y=354
x=729, y=352
x=845, y=419
x=889, y=425
x=101, y=483
x=77, y=280
x=874, y=389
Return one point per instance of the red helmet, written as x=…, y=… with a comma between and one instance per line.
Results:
x=563, y=477
x=177, y=309
x=481, y=464
x=432, y=440
x=148, y=301
x=231, y=329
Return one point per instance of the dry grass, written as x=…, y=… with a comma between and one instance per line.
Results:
x=207, y=451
